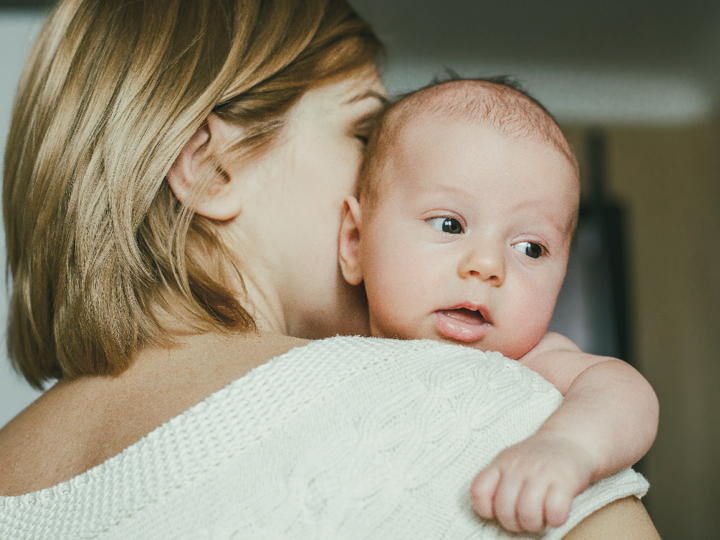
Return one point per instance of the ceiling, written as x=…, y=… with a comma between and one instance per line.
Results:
x=607, y=32
x=25, y=4
x=609, y=61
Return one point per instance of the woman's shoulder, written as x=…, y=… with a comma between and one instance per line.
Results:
x=289, y=384
x=334, y=437
x=79, y=424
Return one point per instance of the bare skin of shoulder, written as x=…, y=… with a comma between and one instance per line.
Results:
x=78, y=424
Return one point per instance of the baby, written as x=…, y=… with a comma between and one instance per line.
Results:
x=467, y=205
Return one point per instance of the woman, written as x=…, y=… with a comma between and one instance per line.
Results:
x=173, y=183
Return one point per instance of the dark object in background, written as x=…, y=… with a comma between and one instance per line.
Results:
x=592, y=309
x=26, y=4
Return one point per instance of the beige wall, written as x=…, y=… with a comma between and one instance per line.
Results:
x=669, y=181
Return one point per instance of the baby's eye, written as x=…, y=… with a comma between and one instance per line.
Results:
x=446, y=225
x=531, y=249
x=363, y=139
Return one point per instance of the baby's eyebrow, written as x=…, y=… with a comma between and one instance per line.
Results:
x=454, y=189
x=562, y=229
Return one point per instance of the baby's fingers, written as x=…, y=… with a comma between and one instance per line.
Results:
x=531, y=505
x=506, y=500
x=483, y=490
x=557, y=505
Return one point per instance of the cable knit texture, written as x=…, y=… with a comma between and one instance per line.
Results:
x=345, y=438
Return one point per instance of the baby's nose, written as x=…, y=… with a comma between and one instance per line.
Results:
x=485, y=262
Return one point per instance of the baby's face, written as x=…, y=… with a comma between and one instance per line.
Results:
x=469, y=239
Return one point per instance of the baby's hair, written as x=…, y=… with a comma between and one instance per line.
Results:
x=500, y=103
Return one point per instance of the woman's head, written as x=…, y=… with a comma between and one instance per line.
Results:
x=98, y=246
x=281, y=210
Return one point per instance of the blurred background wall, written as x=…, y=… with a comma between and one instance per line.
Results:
x=636, y=86
x=18, y=28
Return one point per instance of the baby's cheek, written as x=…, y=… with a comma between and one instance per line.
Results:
x=534, y=319
x=388, y=304
x=396, y=296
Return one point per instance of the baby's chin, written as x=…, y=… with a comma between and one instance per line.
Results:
x=470, y=329
x=458, y=326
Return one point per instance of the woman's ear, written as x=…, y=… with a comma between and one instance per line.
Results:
x=197, y=178
x=349, y=242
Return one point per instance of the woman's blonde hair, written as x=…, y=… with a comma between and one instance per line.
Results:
x=113, y=90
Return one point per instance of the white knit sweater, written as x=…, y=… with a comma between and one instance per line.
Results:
x=345, y=438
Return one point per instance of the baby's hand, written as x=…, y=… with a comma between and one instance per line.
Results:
x=532, y=484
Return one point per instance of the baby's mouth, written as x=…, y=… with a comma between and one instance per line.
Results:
x=466, y=324
x=465, y=315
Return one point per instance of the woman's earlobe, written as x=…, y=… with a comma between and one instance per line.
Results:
x=349, y=242
x=197, y=178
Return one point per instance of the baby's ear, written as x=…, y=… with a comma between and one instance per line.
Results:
x=349, y=242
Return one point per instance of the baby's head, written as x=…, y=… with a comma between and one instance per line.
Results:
x=468, y=201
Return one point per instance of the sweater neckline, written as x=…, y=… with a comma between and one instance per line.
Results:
x=154, y=437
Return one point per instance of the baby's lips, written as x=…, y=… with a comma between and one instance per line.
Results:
x=467, y=315
x=469, y=310
x=461, y=324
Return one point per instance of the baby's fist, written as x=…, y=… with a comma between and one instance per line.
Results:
x=533, y=483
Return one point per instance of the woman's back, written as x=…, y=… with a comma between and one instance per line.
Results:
x=346, y=437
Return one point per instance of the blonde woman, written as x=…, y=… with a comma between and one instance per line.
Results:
x=172, y=190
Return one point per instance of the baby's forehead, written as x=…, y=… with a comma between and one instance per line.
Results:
x=463, y=160
x=455, y=105
x=423, y=141
x=495, y=106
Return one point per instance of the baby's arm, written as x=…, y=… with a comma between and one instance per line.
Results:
x=606, y=423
